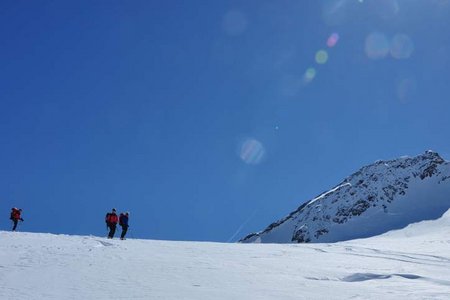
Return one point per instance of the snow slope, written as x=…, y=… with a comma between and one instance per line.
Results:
x=412, y=263
x=378, y=198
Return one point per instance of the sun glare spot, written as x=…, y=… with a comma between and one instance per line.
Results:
x=332, y=40
x=402, y=46
x=321, y=57
x=252, y=151
x=309, y=75
x=377, y=45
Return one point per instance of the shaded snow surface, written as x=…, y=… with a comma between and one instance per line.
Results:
x=412, y=263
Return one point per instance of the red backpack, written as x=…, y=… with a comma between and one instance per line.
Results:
x=111, y=218
x=15, y=214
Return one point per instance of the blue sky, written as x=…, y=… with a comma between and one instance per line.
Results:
x=209, y=119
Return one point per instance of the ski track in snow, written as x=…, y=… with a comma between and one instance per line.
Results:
x=412, y=263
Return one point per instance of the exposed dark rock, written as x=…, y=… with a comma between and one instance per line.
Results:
x=373, y=187
x=320, y=232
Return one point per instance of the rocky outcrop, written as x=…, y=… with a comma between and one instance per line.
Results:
x=379, y=197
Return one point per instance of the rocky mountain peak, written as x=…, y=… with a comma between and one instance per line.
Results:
x=385, y=195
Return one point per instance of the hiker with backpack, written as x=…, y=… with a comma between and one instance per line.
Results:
x=15, y=217
x=123, y=222
x=111, y=223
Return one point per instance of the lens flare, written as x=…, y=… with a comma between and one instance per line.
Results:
x=402, y=46
x=252, y=152
x=321, y=57
x=332, y=40
x=377, y=45
x=309, y=75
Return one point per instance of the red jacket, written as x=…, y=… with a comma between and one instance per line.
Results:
x=16, y=214
x=111, y=218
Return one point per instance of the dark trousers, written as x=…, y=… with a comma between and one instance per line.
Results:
x=112, y=230
x=124, y=231
x=15, y=224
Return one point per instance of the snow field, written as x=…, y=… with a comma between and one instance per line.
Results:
x=412, y=263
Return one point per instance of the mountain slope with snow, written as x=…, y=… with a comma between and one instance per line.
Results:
x=380, y=197
x=412, y=263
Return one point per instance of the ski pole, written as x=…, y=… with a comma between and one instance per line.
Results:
x=131, y=233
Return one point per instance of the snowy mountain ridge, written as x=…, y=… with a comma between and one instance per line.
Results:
x=383, y=196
